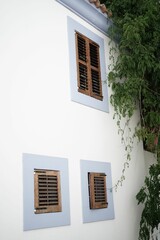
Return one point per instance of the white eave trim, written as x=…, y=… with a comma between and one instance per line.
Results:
x=89, y=13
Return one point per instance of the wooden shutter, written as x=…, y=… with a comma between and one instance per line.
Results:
x=47, y=194
x=96, y=84
x=97, y=190
x=88, y=67
x=82, y=68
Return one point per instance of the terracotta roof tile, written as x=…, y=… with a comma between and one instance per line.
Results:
x=102, y=7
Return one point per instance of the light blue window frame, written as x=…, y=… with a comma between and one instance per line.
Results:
x=76, y=96
x=94, y=215
x=46, y=220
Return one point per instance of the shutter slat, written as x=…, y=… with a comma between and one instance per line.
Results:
x=96, y=87
x=94, y=55
x=81, y=49
x=99, y=190
x=83, y=77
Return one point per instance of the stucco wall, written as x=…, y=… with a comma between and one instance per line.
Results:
x=38, y=117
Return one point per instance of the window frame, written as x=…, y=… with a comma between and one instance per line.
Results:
x=31, y=220
x=76, y=96
x=101, y=214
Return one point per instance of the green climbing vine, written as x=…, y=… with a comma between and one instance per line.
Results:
x=135, y=80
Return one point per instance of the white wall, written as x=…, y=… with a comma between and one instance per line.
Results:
x=38, y=117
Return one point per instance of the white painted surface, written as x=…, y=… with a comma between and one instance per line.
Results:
x=38, y=117
x=156, y=234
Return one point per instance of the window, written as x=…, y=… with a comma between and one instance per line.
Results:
x=89, y=169
x=97, y=190
x=80, y=68
x=47, y=193
x=88, y=67
x=43, y=165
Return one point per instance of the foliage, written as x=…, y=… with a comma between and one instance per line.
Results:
x=136, y=71
x=149, y=195
x=135, y=80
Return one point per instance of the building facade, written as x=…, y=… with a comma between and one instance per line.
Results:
x=56, y=117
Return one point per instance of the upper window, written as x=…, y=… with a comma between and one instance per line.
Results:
x=88, y=74
x=97, y=190
x=88, y=67
x=47, y=194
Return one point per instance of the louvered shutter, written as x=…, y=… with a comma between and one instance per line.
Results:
x=47, y=194
x=88, y=67
x=96, y=84
x=97, y=190
x=83, y=85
